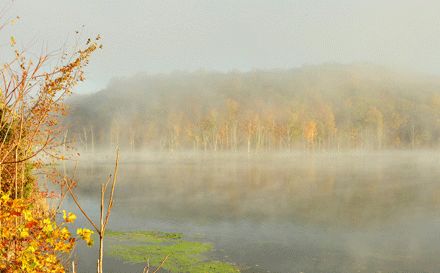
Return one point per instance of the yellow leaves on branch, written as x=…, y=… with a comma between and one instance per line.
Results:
x=24, y=233
x=31, y=102
x=31, y=241
x=39, y=90
x=69, y=217
x=86, y=235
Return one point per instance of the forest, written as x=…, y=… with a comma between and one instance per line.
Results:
x=315, y=107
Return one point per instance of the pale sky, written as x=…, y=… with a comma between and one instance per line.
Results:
x=143, y=36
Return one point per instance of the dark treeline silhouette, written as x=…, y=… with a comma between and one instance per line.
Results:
x=314, y=107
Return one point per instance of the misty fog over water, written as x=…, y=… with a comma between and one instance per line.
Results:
x=321, y=107
x=282, y=212
x=247, y=136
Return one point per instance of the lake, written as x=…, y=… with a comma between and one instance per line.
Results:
x=279, y=212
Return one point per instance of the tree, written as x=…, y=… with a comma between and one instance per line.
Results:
x=310, y=133
x=375, y=119
x=31, y=104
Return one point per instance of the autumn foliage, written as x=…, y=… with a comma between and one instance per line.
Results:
x=33, y=238
x=322, y=107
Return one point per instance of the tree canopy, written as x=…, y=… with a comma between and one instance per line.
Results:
x=331, y=106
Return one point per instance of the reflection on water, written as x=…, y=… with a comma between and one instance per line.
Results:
x=284, y=212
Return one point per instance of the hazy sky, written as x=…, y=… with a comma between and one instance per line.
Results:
x=168, y=35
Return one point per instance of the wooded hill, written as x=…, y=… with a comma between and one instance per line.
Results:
x=313, y=107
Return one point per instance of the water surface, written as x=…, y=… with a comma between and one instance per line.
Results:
x=283, y=212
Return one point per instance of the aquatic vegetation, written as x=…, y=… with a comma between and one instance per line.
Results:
x=145, y=236
x=184, y=256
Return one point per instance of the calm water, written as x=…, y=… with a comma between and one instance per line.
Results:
x=367, y=212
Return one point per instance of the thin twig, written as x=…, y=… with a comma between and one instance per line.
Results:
x=75, y=199
x=110, y=202
x=161, y=264
x=147, y=267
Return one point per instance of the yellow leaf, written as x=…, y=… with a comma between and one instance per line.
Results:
x=12, y=41
x=27, y=215
x=86, y=235
x=69, y=217
x=24, y=233
x=5, y=197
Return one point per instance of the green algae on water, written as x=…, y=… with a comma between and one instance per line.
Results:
x=144, y=236
x=154, y=246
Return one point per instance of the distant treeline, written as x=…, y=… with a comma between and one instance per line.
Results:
x=314, y=107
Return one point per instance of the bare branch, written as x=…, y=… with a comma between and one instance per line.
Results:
x=75, y=199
